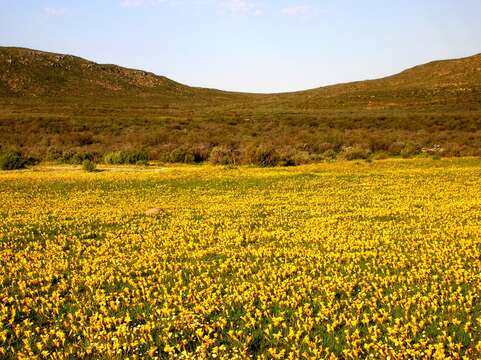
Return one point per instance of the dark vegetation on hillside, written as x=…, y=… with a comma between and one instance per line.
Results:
x=61, y=107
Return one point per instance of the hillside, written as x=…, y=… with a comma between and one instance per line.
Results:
x=57, y=103
x=447, y=83
x=36, y=73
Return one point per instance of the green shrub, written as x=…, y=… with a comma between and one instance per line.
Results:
x=187, y=154
x=301, y=157
x=114, y=158
x=181, y=155
x=290, y=156
x=222, y=155
x=406, y=154
x=263, y=155
x=79, y=158
x=315, y=158
x=329, y=155
x=12, y=160
x=396, y=148
x=72, y=157
x=133, y=157
x=126, y=157
x=189, y=158
x=89, y=166
x=354, y=153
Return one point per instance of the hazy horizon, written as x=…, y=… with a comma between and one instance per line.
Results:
x=251, y=46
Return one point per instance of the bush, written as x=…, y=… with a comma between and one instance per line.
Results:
x=114, y=158
x=263, y=155
x=292, y=157
x=76, y=158
x=406, y=154
x=13, y=160
x=222, y=155
x=354, y=153
x=315, y=158
x=89, y=166
x=181, y=155
x=329, y=155
x=133, y=157
x=396, y=148
x=126, y=157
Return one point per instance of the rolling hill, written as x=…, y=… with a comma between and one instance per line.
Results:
x=54, y=103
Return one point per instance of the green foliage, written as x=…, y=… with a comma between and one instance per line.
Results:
x=396, y=148
x=115, y=158
x=222, y=155
x=13, y=160
x=126, y=157
x=89, y=166
x=76, y=158
x=181, y=155
x=261, y=155
x=135, y=156
x=329, y=155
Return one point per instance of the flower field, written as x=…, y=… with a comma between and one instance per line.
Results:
x=335, y=260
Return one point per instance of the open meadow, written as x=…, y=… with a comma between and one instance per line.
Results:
x=344, y=259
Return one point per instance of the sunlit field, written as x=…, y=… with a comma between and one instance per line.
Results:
x=335, y=260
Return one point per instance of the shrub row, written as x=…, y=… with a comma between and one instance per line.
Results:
x=263, y=155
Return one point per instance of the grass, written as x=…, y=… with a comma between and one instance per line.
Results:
x=345, y=259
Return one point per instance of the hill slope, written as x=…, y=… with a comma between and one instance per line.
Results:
x=448, y=82
x=37, y=73
x=62, y=102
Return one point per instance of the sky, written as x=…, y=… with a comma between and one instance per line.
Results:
x=249, y=45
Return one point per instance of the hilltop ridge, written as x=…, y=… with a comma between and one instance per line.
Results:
x=33, y=72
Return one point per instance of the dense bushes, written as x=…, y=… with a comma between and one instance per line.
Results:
x=126, y=157
x=189, y=133
x=256, y=154
x=12, y=160
x=77, y=158
x=263, y=155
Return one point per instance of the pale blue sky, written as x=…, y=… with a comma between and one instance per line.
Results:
x=249, y=45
